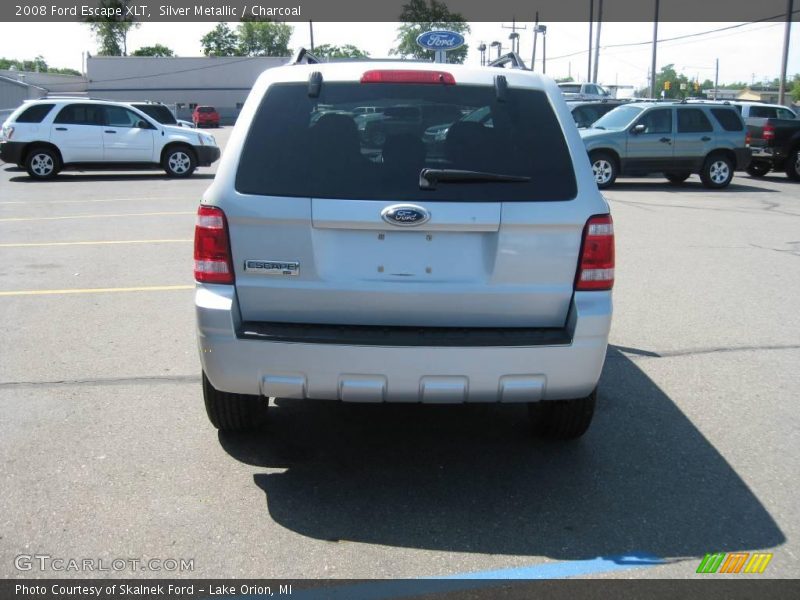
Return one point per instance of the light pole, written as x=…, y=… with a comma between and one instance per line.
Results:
x=655, y=44
x=785, y=59
x=597, y=44
x=591, y=21
x=496, y=44
x=482, y=50
x=543, y=29
x=514, y=37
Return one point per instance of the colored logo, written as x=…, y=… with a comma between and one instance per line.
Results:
x=405, y=215
x=735, y=562
x=440, y=40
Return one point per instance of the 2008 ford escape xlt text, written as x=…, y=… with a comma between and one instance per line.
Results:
x=444, y=243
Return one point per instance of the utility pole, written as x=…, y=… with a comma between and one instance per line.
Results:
x=597, y=45
x=655, y=45
x=716, y=78
x=544, y=48
x=535, y=33
x=311, y=31
x=514, y=36
x=591, y=20
x=785, y=61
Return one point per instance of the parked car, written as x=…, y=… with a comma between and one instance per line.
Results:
x=161, y=113
x=676, y=139
x=48, y=135
x=760, y=110
x=583, y=91
x=586, y=112
x=205, y=116
x=776, y=145
x=333, y=270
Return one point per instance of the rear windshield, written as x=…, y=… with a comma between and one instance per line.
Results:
x=205, y=109
x=728, y=118
x=35, y=113
x=319, y=147
x=570, y=88
x=159, y=112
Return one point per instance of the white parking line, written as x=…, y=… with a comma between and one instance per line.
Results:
x=89, y=200
x=147, y=214
x=152, y=288
x=94, y=243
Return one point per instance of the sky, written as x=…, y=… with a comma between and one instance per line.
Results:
x=751, y=53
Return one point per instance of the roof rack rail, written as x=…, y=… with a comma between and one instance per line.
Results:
x=511, y=58
x=303, y=55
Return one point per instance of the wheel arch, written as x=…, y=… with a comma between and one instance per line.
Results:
x=30, y=146
x=176, y=144
x=611, y=152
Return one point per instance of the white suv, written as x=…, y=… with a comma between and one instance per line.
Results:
x=473, y=268
x=47, y=135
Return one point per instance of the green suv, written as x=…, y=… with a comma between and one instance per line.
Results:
x=676, y=139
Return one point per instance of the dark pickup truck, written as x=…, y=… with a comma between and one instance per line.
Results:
x=775, y=144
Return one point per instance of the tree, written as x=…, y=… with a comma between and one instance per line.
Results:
x=564, y=80
x=157, y=50
x=220, y=41
x=329, y=51
x=37, y=64
x=112, y=32
x=795, y=83
x=419, y=16
x=263, y=38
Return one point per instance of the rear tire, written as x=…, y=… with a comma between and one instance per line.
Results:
x=677, y=178
x=179, y=161
x=233, y=412
x=562, y=419
x=717, y=172
x=793, y=165
x=604, y=169
x=758, y=169
x=42, y=163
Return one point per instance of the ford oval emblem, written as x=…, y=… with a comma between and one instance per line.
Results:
x=405, y=215
x=440, y=40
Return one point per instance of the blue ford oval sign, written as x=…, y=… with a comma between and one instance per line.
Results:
x=406, y=215
x=440, y=40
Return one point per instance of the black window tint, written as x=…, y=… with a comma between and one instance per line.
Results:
x=35, y=113
x=728, y=119
x=81, y=114
x=657, y=121
x=763, y=112
x=116, y=116
x=785, y=113
x=316, y=147
x=693, y=120
x=157, y=111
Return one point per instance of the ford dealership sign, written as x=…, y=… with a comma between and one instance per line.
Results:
x=440, y=40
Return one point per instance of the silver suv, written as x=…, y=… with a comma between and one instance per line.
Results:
x=471, y=266
x=676, y=139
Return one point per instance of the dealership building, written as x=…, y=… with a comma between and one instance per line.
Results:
x=180, y=82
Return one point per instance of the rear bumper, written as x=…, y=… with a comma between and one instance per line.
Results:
x=11, y=152
x=431, y=374
x=206, y=155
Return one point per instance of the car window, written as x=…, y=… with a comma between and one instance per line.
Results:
x=763, y=112
x=728, y=119
x=159, y=112
x=206, y=109
x=116, y=116
x=380, y=156
x=618, y=118
x=785, y=113
x=657, y=121
x=35, y=113
x=570, y=88
x=590, y=89
x=693, y=120
x=81, y=114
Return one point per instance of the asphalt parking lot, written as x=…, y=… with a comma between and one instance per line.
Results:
x=106, y=452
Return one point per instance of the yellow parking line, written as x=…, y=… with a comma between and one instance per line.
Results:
x=95, y=243
x=152, y=288
x=147, y=214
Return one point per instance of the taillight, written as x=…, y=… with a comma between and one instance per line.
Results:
x=769, y=132
x=596, y=268
x=406, y=76
x=748, y=138
x=212, y=248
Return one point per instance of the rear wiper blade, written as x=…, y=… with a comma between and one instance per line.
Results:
x=428, y=178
